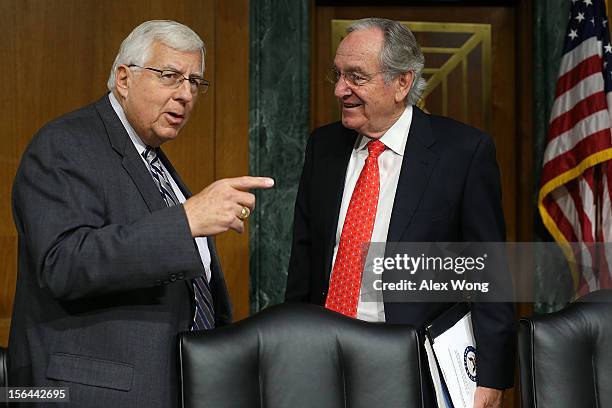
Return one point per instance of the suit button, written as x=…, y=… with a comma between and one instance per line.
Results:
x=166, y=281
x=172, y=278
x=180, y=275
x=158, y=282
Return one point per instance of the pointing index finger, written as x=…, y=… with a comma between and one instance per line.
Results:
x=249, y=182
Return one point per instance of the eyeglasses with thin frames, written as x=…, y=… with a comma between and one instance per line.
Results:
x=351, y=78
x=173, y=79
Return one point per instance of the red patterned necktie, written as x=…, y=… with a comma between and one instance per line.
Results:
x=345, y=282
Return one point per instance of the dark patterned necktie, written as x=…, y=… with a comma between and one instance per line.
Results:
x=204, y=314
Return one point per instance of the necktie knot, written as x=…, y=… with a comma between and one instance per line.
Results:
x=150, y=154
x=375, y=148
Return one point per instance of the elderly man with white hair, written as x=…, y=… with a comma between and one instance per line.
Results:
x=389, y=172
x=115, y=254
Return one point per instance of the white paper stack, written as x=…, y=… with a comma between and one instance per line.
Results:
x=451, y=352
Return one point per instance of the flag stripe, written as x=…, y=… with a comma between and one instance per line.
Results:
x=564, y=225
x=583, y=89
x=587, y=48
x=585, y=148
x=586, y=68
x=582, y=198
x=580, y=111
x=597, y=122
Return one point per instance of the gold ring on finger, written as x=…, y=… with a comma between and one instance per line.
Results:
x=244, y=214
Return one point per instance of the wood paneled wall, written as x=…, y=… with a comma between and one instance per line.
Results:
x=56, y=56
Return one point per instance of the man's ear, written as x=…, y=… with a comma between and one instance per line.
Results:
x=403, y=85
x=122, y=79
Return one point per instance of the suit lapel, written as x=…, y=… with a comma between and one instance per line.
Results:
x=417, y=165
x=132, y=163
x=335, y=165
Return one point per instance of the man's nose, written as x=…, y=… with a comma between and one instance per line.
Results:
x=183, y=92
x=342, y=89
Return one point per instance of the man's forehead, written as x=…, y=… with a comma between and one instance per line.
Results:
x=359, y=48
x=355, y=60
x=165, y=57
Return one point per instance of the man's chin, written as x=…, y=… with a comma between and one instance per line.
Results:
x=166, y=135
x=351, y=123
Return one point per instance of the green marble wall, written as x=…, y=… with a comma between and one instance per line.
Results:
x=550, y=20
x=279, y=128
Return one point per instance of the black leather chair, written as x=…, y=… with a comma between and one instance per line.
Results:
x=301, y=356
x=3, y=376
x=3, y=370
x=565, y=357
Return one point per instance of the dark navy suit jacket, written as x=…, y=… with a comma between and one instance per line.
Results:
x=448, y=191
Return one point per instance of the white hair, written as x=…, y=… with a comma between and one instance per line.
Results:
x=400, y=53
x=136, y=48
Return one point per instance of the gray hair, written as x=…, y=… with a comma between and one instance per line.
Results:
x=136, y=48
x=400, y=53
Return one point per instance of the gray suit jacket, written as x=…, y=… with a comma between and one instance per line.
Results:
x=105, y=268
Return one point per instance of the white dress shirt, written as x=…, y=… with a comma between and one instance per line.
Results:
x=201, y=242
x=390, y=164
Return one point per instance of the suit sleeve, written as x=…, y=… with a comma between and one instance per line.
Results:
x=60, y=212
x=483, y=221
x=298, y=277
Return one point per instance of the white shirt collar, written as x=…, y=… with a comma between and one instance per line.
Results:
x=138, y=143
x=395, y=138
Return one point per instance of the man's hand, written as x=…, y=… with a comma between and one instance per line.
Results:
x=488, y=398
x=218, y=207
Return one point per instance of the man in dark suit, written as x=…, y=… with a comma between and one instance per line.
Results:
x=115, y=254
x=388, y=172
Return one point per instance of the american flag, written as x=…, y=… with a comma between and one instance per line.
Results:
x=574, y=198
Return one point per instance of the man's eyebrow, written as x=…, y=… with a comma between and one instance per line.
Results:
x=350, y=68
x=169, y=68
x=175, y=69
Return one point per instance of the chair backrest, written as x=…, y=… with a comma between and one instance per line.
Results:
x=3, y=369
x=565, y=357
x=298, y=356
